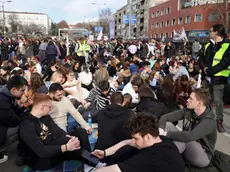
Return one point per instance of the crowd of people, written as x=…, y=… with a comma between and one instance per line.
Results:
x=136, y=91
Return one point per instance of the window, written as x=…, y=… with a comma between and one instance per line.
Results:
x=152, y=26
x=198, y=17
x=172, y=34
x=168, y=10
x=213, y=16
x=157, y=14
x=162, y=24
x=188, y=19
x=162, y=11
x=180, y=20
x=156, y=35
x=157, y=25
x=166, y=35
x=167, y=23
x=162, y=35
x=153, y=15
x=173, y=22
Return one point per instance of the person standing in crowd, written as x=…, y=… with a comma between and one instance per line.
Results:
x=51, y=52
x=155, y=153
x=197, y=140
x=10, y=112
x=169, y=50
x=219, y=70
x=3, y=50
x=63, y=50
x=42, y=51
x=195, y=48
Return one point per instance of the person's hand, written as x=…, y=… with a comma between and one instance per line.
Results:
x=69, y=136
x=73, y=144
x=30, y=100
x=83, y=102
x=182, y=94
x=162, y=132
x=86, y=105
x=89, y=131
x=99, y=153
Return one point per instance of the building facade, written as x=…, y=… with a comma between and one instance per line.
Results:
x=26, y=19
x=139, y=10
x=196, y=16
x=121, y=29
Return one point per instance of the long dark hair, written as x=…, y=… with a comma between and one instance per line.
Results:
x=36, y=81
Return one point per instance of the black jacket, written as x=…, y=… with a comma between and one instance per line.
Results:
x=224, y=63
x=152, y=106
x=9, y=112
x=40, y=141
x=111, y=122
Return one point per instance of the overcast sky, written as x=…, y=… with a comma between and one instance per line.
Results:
x=70, y=10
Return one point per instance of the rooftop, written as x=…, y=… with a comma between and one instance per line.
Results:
x=17, y=12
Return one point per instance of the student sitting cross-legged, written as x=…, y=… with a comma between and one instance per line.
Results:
x=156, y=153
x=43, y=144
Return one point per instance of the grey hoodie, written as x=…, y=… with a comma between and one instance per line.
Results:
x=195, y=128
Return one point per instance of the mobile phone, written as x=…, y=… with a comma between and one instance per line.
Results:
x=93, y=160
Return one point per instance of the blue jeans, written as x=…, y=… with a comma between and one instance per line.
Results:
x=72, y=124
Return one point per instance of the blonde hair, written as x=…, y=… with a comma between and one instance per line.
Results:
x=55, y=75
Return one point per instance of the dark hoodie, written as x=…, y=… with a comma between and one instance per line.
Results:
x=195, y=128
x=111, y=122
x=40, y=141
x=9, y=112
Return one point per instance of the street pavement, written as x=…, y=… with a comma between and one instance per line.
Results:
x=223, y=144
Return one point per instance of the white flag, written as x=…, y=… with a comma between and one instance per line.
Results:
x=100, y=36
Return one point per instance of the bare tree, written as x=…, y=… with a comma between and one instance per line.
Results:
x=104, y=18
x=222, y=11
x=33, y=29
x=14, y=23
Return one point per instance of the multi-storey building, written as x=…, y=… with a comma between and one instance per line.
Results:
x=196, y=16
x=139, y=10
x=121, y=29
x=27, y=18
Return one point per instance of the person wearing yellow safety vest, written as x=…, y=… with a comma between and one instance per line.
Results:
x=82, y=49
x=219, y=70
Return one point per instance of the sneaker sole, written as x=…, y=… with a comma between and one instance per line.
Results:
x=4, y=159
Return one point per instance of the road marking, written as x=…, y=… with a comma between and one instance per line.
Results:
x=226, y=134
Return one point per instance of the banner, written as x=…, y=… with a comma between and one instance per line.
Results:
x=111, y=29
x=180, y=36
x=133, y=20
x=100, y=36
x=125, y=19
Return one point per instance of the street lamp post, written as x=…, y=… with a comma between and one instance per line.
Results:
x=99, y=7
x=4, y=18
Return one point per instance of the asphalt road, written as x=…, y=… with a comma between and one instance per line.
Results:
x=223, y=144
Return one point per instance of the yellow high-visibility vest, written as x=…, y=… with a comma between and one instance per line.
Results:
x=217, y=58
x=206, y=47
x=81, y=49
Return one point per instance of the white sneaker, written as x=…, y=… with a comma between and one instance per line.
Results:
x=4, y=159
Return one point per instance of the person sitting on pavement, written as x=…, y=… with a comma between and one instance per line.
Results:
x=156, y=153
x=10, y=112
x=198, y=137
x=61, y=106
x=111, y=121
x=42, y=143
